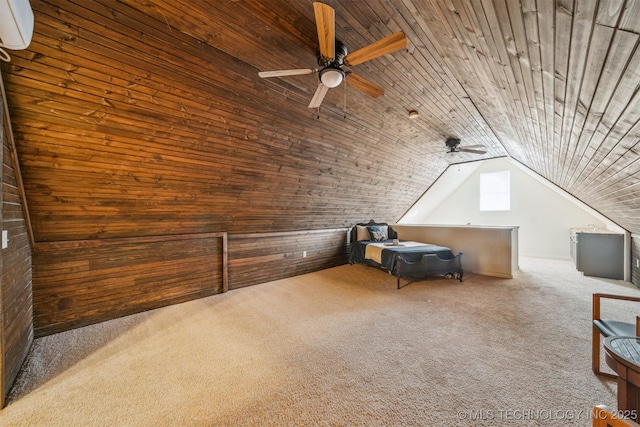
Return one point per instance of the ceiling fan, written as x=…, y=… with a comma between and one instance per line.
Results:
x=333, y=56
x=453, y=144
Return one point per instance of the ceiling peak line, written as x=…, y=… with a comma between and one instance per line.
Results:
x=460, y=86
x=581, y=36
x=504, y=44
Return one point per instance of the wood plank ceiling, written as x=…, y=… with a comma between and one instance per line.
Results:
x=137, y=118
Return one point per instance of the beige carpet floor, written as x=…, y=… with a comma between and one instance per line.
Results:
x=339, y=347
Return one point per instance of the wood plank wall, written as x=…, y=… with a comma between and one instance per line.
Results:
x=156, y=133
x=77, y=283
x=168, y=134
x=140, y=119
x=16, y=330
x=263, y=257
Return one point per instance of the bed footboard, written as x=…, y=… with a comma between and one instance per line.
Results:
x=429, y=265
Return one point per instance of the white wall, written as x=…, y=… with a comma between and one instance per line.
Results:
x=543, y=212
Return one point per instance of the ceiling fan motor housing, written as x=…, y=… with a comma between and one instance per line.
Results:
x=453, y=144
x=340, y=53
x=331, y=74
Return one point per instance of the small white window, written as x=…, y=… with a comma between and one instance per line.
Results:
x=495, y=191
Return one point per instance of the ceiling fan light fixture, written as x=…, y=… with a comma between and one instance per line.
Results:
x=333, y=55
x=331, y=77
x=413, y=114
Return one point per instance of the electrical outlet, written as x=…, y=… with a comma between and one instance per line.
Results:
x=304, y=254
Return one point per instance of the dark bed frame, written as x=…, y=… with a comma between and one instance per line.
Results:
x=429, y=265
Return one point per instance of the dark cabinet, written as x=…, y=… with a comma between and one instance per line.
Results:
x=600, y=254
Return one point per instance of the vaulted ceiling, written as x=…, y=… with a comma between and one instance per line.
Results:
x=137, y=118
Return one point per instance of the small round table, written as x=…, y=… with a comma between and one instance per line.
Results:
x=623, y=356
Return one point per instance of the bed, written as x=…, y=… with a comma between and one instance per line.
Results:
x=376, y=244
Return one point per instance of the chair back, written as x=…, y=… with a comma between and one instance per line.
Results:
x=607, y=328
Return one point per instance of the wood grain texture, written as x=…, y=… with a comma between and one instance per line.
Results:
x=263, y=257
x=77, y=283
x=139, y=119
x=16, y=325
x=182, y=123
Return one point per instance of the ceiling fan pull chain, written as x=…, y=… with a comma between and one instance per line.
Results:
x=318, y=117
x=344, y=109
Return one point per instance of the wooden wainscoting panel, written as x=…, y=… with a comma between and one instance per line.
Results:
x=16, y=329
x=78, y=283
x=262, y=257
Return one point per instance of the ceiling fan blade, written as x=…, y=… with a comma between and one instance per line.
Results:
x=467, y=150
x=473, y=146
x=364, y=85
x=282, y=73
x=381, y=47
x=326, y=25
x=321, y=91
